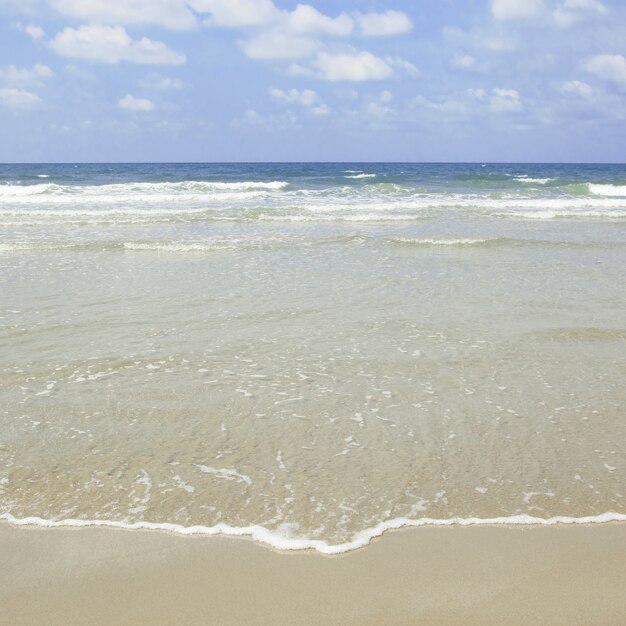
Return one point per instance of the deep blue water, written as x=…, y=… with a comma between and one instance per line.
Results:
x=315, y=175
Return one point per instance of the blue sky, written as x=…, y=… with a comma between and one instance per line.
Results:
x=274, y=80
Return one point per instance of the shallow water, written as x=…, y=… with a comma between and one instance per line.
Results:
x=305, y=353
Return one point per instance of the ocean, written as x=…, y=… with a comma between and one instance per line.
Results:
x=312, y=353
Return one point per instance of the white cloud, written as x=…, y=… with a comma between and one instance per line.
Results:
x=279, y=45
x=463, y=61
x=563, y=18
x=577, y=87
x=402, y=64
x=443, y=109
x=18, y=98
x=355, y=66
x=479, y=38
x=515, y=9
x=347, y=93
x=273, y=33
x=299, y=34
x=306, y=97
x=35, y=74
x=371, y=113
x=385, y=96
x=592, y=5
x=307, y=20
x=112, y=44
x=33, y=31
x=445, y=104
x=173, y=14
x=497, y=43
x=611, y=67
x=295, y=69
x=252, y=118
x=161, y=83
x=499, y=100
x=131, y=103
x=379, y=110
x=564, y=13
x=321, y=110
x=572, y=11
x=186, y=14
x=387, y=23
x=238, y=13
x=503, y=100
x=477, y=94
x=296, y=34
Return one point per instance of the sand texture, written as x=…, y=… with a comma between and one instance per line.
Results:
x=476, y=575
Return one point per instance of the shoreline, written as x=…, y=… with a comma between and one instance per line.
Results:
x=273, y=540
x=560, y=574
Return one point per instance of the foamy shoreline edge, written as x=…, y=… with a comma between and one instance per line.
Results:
x=277, y=541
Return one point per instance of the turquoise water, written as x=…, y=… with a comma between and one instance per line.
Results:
x=312, y=353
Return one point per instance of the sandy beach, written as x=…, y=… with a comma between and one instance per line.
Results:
x=312, y=313
x=473, y=575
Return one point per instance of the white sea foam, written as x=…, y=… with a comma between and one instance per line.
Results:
x=565, y=214
x=225, y=472
x=283, y=539
x=28, y=190
x=180, y=247
x=96, y=200
x=362, y=176
x=100, y=212
x=472, y=202
x=197, y=186
x=535, y=181
x=25, y=246
x=439, y=242
x=607, y=190
x=219, y=201
x=178, y=195
x=343, y=217
x=141, y=500
x=153, y=188
x=218, y=243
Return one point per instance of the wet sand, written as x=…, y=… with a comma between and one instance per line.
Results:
x=474, y=575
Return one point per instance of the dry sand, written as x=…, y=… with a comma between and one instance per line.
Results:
x=476, y=575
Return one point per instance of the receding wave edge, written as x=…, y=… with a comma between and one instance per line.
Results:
x=280, y=541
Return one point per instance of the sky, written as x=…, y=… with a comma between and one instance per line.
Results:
x=276, y=80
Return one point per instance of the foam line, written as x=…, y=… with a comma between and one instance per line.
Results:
x=284, y=542
x=537, y=181
x=444, y=242
x=185, y=186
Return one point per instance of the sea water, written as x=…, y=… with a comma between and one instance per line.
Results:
x=312, y=353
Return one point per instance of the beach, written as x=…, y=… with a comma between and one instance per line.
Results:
x=474, y=575
x=312, y=313
x=296, y=363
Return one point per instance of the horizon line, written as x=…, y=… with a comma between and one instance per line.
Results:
x=311, y=162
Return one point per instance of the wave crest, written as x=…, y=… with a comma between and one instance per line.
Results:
x=10, y=190
x=607, y=190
